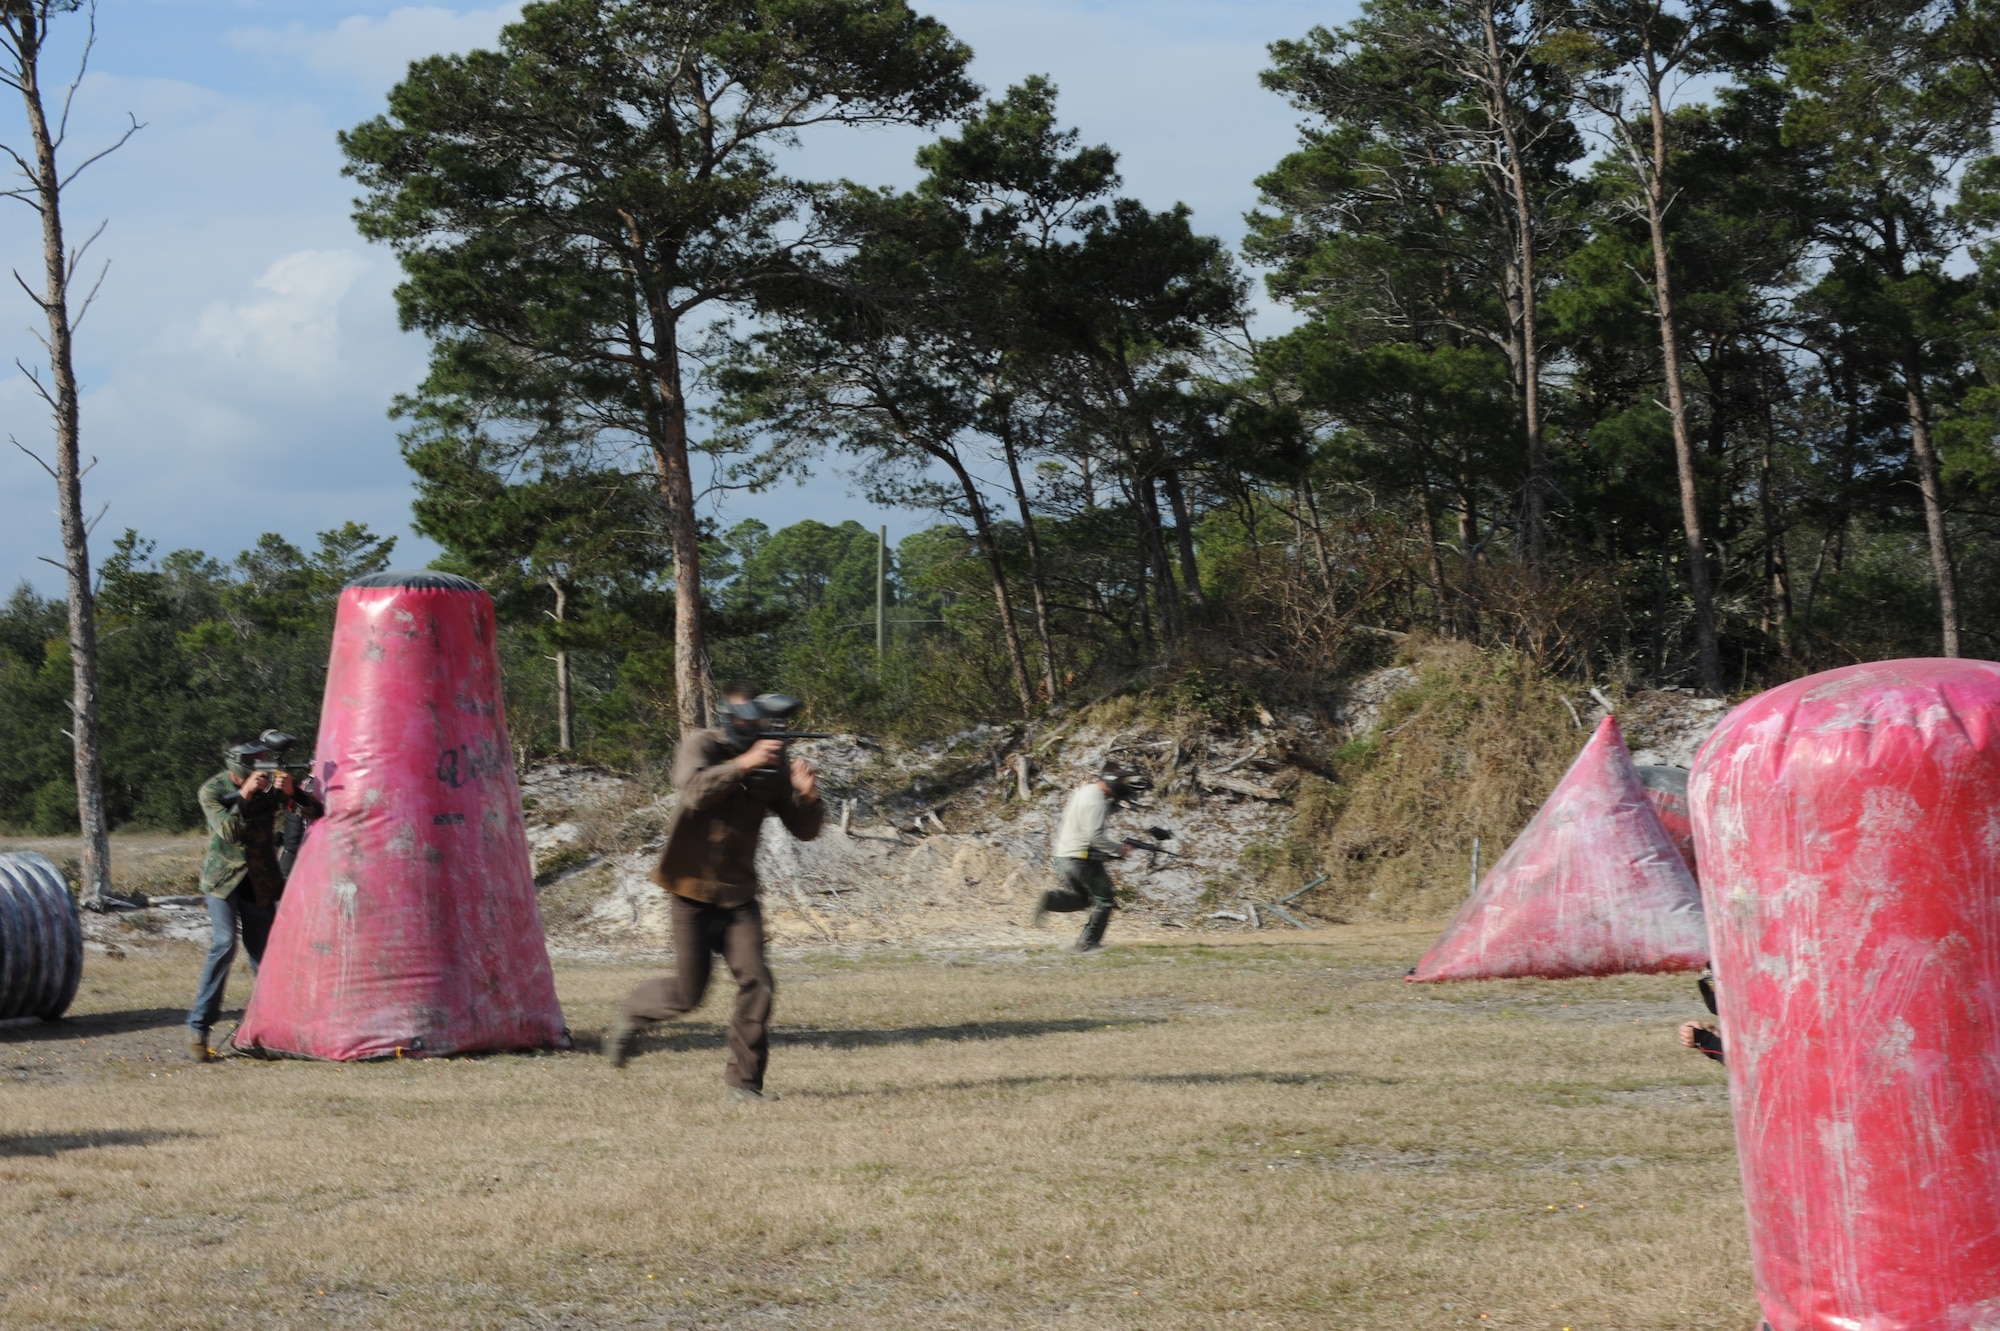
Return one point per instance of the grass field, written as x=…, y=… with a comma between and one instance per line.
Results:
x=1248, y=1135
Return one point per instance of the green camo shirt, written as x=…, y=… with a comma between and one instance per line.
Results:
x=242, y=843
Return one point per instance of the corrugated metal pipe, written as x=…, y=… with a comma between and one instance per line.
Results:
x=41, y=938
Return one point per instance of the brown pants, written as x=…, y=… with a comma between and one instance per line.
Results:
x=700, y=931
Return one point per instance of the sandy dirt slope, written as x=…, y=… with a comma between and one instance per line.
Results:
x=931, y=845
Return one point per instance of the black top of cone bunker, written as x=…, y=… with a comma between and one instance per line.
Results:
x=418, y=579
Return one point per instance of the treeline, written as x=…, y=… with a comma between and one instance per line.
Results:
x=1696, y=392
x=1654, y=341
x=197, y=650
x=193, y=652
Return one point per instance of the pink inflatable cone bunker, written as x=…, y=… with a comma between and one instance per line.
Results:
x=1849, y=832
x=1592, y=886
x=409, y=924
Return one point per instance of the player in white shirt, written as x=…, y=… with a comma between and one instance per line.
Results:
x=1082, y=849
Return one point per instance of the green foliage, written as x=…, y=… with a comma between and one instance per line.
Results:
x=1216, y=697
x=191, y=652
x=569, y=207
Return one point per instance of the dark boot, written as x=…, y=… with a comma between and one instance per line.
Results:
x=1092, y=937
x=618, y=1041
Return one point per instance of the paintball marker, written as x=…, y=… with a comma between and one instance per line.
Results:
x=776, y=711
x=268, y=750
x=1158, y=834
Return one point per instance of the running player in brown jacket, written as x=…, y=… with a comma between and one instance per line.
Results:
x=726, y=781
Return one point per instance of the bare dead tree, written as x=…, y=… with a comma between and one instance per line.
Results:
x=24, y=36
x=1645, y=48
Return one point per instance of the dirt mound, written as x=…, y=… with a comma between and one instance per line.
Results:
x=1361, y=807
x=1356, y=806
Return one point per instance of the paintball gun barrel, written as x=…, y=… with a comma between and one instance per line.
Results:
x=1152, y=847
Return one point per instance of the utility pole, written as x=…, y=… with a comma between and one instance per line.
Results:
x=882, y=592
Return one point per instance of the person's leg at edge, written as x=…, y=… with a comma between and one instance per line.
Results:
x=749, y=1022
x=695, y=939
x=1103, y=899
x=1071, y=895
x=214, y=975
x=255, y=921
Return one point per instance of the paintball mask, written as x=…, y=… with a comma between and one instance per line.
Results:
x=242, y=759
x=266, y=753
x=1126, y=784
x=751, y=719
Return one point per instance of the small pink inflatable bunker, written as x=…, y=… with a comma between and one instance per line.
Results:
x=409, y=925
x=1592, y=886
x=1849, y=832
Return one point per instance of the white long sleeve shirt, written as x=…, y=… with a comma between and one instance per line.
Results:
x=1080, y=836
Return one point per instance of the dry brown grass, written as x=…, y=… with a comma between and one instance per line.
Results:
x=159, y=864
x=1199, y=1136
x=1471, y=750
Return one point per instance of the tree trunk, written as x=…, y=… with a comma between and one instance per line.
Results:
x=1146, y=572
x=1917, y=404
x=982, y=526
x=1533, y=516
x=1468, y=546
x=1707, y=656
x=1154, y=537
x=565, y=729
x=1037, y=581
x=1433, y=559
x=694, y=686
x=1184, y=538
x=1777, y=568
x=29, y=24
x=1311, y=507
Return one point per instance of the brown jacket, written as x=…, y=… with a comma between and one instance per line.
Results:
x=719, y=810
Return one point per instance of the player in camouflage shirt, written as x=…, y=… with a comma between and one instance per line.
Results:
x=244, y=809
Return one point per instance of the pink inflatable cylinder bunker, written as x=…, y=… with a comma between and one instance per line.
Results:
x=1592, y=886
x=1848, y=826
x=409, y=925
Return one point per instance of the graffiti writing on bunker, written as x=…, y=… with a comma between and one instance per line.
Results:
x=475, y=761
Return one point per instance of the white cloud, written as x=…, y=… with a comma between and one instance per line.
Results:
x=376, y=52
x=290, y=324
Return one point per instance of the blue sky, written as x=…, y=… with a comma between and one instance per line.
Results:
x=239, y=363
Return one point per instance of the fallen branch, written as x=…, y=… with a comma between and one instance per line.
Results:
x=1256, y=751
x=812, y=916
x=1235, y=787
x=1290, y=897
x=1285, y=915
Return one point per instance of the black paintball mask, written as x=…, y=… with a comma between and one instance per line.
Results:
x=1126, y=784
x=744, y=722
x=241, y=759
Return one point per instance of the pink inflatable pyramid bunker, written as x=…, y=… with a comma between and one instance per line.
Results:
x=1849, y=831
x=1592, y=886
x=409, y=926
